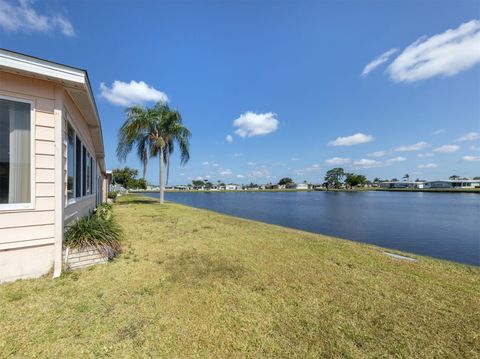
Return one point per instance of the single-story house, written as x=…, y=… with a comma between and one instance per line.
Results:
x=299, y=186
x=233, y=187
x=274, y=186
x=52, y=167
x=453, y=184
x=401, y=184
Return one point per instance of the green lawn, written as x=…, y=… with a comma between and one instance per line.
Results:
x=193, y=283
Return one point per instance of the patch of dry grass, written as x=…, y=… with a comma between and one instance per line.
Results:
x=193, y=283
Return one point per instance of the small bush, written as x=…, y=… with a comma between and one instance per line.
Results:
x=95, y=231
x=104, y=211
x=112, y=194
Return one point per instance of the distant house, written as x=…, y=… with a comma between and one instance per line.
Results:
x=274, y=186
x=453, y=184
x=401, y=184
x=299, y=186
x=233, y=187
x=52, y=167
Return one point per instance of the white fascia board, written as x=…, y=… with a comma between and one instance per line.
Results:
x=41, y=67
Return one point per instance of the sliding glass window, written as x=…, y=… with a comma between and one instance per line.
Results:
x=70, y=162
x=84, y=172
x=92, y=188
x=88, y=174
x=78, y=168
x=15, y=152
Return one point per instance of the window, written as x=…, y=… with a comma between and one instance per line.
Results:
x=15, y=153
x=84, y=172
x=92, y=188
x=70, y=162
x=88, y=174
x=78, y=168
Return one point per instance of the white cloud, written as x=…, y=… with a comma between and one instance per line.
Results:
x=237, y=154
x=475, y=148
x=21, y=16
x=447, y=149
x=262, y=172
x=365, y=163
x=295, y=158
x=415, y=147
x=240, y=176
x=337, y=161
x=252, y=124
x=251, y=163
x=225, y=172
x=444, y=54
x=208, y=177
x=133, y=93
x=378, y=61
x=471, y=136
x=426, y=154
x=471, y=158
x=377, y=154
x=215, y=165
x=428, y=165
x=439, y=131
x=311, y=169
x=396, y=159
x=229, y=138
x=355, y=139
x=205, y=163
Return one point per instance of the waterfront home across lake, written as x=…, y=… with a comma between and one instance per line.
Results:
x=299, y=186
x=402, y=184
x=52, y=167
x=453, y=184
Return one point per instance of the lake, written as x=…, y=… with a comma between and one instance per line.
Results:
x=441, y=225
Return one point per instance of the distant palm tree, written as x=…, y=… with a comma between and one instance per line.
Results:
x=406, y=177
x=154, y=131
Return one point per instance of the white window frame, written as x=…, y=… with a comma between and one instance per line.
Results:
x=30, y=205
x=82, y=197
x=69, y=123
x=88, y=174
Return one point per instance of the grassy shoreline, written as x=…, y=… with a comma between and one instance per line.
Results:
x=194, y=283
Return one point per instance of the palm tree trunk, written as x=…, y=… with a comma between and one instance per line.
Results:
x=144, y=164
x=162, y=179
x=168, y=166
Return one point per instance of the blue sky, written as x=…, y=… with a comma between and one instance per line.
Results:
x=278, y=88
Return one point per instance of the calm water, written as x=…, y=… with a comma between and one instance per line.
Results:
x=441, y=225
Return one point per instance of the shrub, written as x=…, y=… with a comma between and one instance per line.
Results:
x=104, y=211
x=112, y=194
x=95, y=231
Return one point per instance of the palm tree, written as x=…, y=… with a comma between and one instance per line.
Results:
x=154, y=131
x=406, y=177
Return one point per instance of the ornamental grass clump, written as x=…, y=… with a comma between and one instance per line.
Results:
x=95, y=231
x=104, y=211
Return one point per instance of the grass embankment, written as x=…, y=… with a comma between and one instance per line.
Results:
x=193, y=283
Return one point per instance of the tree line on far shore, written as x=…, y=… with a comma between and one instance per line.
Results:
x=334, y=178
